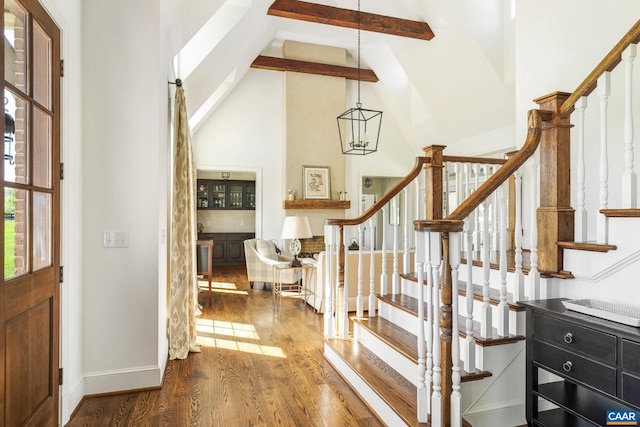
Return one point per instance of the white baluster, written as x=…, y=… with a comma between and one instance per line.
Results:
x=518, y=291
x=395, y=278
x=495, y=228
x=629, y=194
x=469, y=347
x=329, y=313
x=360, y=297
x=384, y=280
x=478, y=236
x=446, y=208
x=503, y=308
x=417, y=203
x=485, y=311
x=372, y=272
x=406, y=259
x=534, y=275
x=436, y=398
x=430, y=317
x=422, y=395
x=458, y=185
x=344, y=318
x=604, y=89
x=456, y=397
x=581, y=211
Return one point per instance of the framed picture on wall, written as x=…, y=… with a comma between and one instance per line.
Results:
x=316, y=181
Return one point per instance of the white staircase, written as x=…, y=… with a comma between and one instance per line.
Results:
x=387, y=345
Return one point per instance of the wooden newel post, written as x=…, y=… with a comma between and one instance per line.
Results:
x=433, y=174
x=555, y=215
x=446, y=329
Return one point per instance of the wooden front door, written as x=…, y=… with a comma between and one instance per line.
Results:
x=29, y=292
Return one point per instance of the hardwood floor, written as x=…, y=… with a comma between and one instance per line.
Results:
x=257, y=368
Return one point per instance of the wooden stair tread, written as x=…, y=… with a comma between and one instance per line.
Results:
x=405, y=342
x=410, y=305
x=621, y=213
x=494, y=294
x=587, y=246
x=392, y=387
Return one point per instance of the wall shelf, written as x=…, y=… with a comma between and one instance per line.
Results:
x=317, y=204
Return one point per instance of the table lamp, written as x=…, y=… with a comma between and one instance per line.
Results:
x=295, y=228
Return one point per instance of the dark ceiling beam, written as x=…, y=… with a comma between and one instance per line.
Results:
x=330, y=15
x=282, y=64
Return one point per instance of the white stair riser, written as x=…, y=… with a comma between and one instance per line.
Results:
x=405, y=367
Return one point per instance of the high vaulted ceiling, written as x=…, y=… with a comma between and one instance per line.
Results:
x=456, y=85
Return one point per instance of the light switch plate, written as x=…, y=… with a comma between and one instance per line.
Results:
x=116, y=239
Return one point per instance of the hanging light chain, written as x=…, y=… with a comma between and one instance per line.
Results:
x=358, y=17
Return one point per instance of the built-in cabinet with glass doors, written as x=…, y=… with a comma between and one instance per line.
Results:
x=225, y=194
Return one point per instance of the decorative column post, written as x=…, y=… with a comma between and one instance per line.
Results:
x=433, y=181
x=555, y=215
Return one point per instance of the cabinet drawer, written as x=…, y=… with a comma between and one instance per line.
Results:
x=631, y=389
x=575, y=367
x=592, y=343
x=631, y=356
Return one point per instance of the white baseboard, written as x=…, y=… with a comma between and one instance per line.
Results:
x=70, y=399
x=122, y=380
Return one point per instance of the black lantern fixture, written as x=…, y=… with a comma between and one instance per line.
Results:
x=359, y=128
x=366, y=182
x=225, y=175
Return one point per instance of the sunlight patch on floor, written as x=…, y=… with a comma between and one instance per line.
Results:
x=221, y=287
x=230, y=329
x=245, y=347
x=207, y=330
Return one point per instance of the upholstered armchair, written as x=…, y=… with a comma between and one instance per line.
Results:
x=261, y=257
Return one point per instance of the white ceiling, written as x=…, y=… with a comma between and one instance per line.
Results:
x=457, y=85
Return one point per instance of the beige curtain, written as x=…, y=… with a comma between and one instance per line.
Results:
x=183, y=304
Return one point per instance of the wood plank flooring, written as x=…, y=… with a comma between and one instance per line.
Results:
x=257, y=368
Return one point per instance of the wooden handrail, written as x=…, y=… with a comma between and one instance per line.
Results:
x=417, y=168
x=607, y=64
x=481, y=160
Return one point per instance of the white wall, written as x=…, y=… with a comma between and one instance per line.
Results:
x=124, y=158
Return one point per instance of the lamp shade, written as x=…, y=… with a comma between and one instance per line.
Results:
x=296, y=227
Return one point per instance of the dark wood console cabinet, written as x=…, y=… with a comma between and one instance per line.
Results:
x=595, y=365
x=228, y=248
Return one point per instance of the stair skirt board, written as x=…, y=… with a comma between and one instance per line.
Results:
x=499, y=417
x=404, y=366
x=505, y=362
x=366, y=393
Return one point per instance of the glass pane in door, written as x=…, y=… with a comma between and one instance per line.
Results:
x=235, y=196
x=41, y=148
x=41, y=230
x=15, y=45
x=15, y=138
x=41, y=66
x=15, y=232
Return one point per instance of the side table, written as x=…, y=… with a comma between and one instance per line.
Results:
x=291, y=282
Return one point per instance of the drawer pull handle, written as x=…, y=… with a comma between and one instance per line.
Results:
x=568, y=338
x=567, y=366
